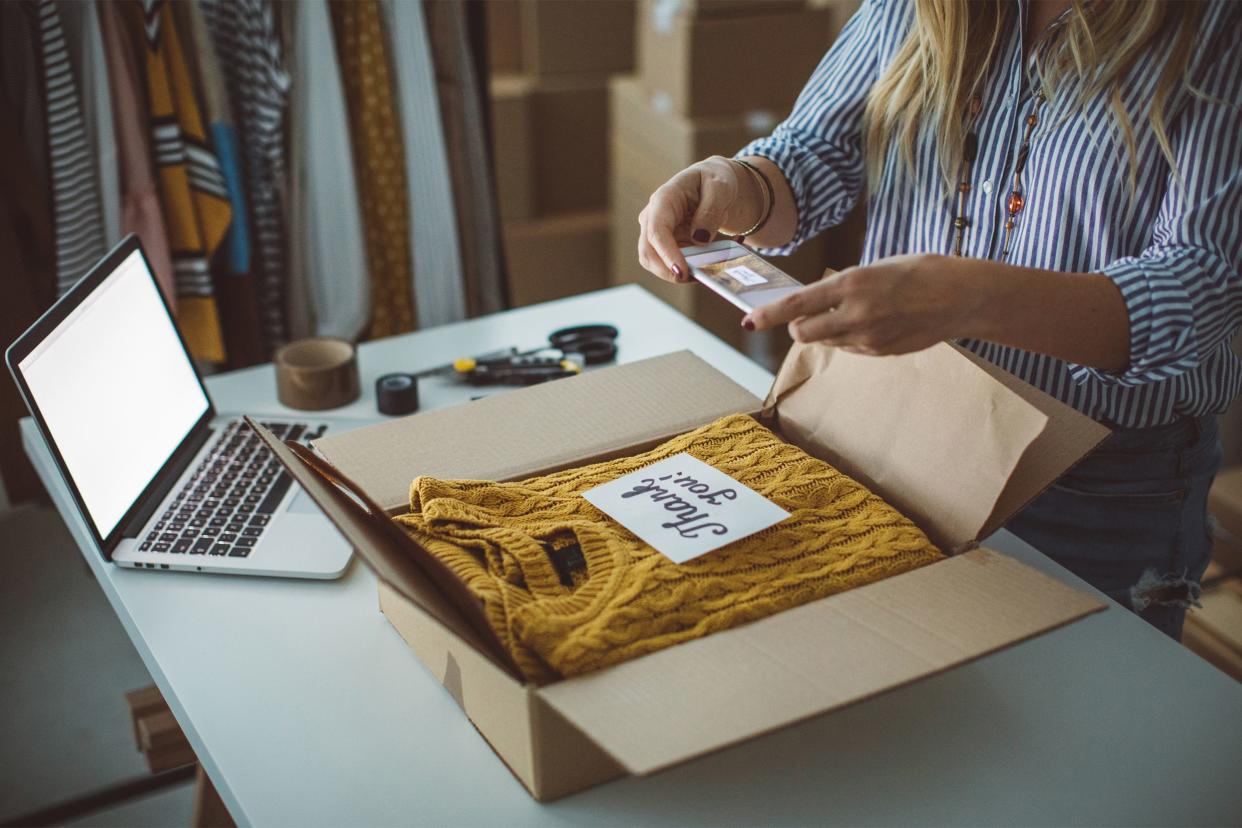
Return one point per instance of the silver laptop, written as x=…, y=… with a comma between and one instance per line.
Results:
x=162, y=480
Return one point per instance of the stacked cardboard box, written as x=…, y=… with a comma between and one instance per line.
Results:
x=1214, y=630
x=713, y=74
x=551, y=60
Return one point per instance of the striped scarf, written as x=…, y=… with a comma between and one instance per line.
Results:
x=248, y=47
x=79, y=230
x=192, y=189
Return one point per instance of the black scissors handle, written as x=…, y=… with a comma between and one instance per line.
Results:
x=594, y=343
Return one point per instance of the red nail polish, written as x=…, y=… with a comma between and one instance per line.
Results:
x=701, y=236
x=748, y=325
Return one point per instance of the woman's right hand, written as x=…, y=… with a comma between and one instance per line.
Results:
x=691, y=208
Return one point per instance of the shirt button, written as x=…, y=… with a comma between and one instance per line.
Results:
x=987, y=187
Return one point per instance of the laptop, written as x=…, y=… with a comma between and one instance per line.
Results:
x=161, y=479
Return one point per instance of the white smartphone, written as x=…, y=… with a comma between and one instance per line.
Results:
x=738, y=274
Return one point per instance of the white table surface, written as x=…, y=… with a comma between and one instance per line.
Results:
x=306, y=708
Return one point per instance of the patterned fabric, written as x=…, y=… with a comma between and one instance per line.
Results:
x=631, y=600
x=248, y=48
x=196, y=206
x=141, y=212
x=75, y=187
x=1175, y=255
x=219, y=117
x=379, y=161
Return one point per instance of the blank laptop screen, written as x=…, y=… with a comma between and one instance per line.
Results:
x=116, y=390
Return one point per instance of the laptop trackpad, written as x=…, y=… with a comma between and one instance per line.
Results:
x=302, y=503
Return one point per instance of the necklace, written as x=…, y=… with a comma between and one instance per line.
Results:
x=970, y=150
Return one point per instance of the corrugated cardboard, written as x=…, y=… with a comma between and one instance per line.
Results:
x=550, y=258
x=550, y=142
x=721, y=65
x=978, y=434
x=564, y=36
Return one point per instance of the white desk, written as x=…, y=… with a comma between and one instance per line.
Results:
x=306, y=708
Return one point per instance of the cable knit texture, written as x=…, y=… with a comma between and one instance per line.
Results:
x=631, y=600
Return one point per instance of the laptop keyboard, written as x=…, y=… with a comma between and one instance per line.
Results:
x=225, y=506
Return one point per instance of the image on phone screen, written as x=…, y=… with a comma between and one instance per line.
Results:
x=739, y=274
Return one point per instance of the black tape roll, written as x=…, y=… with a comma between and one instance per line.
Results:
x=397, y=394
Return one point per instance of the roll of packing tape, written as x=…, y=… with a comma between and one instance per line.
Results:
x=314, y=374
x=397, y=394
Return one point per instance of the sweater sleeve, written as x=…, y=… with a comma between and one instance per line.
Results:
x=818, y=147
x=1183, y=293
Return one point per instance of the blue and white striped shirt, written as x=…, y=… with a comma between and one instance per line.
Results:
x=1174, y=254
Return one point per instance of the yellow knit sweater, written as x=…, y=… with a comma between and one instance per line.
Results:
x=631, y=600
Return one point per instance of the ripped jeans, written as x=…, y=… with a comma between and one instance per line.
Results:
x=1131, y=519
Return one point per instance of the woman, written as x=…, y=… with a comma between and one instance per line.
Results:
x=1056, y=184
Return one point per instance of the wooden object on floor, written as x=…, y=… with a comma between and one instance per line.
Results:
x=156, y=733
x=209, y=810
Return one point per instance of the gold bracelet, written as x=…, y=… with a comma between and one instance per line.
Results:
x=769, y=196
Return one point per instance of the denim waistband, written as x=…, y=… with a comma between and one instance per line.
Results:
x=1183, y=432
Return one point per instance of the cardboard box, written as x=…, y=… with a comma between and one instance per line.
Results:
x=551, y=258
x=1214, y=630
x=504, y=35
x=648, y=148
x=564, y=36
x=962, y=447
x=719, y=65
x=725, y=8
x=550, y=143
x=513, y=146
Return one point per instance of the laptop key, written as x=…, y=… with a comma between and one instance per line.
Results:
x=239, y=552
x=182, y=546
x=235, y=528
x=146, y=545
x=259, y=520
x=200, y=546
x=168, y=537
x=275, y=494
x=210, y=532
x=252, y=531
x=228, y=538
x=160, y=547
x=220, y=549
x=244, y=542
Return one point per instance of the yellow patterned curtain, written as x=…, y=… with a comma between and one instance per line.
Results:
x=379, y=161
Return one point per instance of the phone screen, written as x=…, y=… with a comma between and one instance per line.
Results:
x=739, y=274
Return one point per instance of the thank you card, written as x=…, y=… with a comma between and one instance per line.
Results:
x=684, y=507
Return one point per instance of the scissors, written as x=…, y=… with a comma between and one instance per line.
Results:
x=567, y=352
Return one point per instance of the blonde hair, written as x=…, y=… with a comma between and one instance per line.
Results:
x=945, y=59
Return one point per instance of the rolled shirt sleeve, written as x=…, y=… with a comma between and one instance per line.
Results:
x=1183, y=294
x=818, y=148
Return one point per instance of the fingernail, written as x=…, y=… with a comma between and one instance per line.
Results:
x=747, y=324
x=701, y=236
x=676, y=272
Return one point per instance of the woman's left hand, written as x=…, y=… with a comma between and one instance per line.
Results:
x=892, y=306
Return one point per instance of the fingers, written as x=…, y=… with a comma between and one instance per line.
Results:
x=692, y=204
x=717, y=191
x=662, y=222
x=650, y=259
x=819, y=298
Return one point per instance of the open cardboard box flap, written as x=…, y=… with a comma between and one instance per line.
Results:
x=539, y=429
x=944, y=437
x=955, y=443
